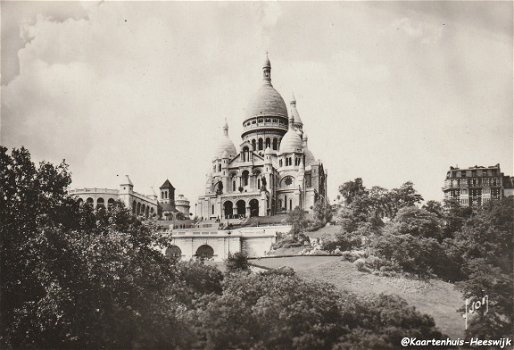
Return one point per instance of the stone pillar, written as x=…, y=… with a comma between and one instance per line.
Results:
x=263, y=208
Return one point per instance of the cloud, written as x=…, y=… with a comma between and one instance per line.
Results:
x=143, y=88
x=422, y=31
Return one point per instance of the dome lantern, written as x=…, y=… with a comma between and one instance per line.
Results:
x=266, y=70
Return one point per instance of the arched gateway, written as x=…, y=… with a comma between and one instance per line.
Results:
x=204, y=252
x=228, y=208
x=254, y=207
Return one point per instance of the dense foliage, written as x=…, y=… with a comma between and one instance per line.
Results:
x=469, y=245
x=281, y=311
x=75, y=277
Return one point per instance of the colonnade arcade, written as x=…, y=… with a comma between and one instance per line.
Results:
x=240, y=208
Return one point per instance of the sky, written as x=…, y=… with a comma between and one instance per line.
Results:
x=388, y=91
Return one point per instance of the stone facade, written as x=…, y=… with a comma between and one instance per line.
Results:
x=206, y=240
x=271, y=172
x=477, y=185
x=139, y=204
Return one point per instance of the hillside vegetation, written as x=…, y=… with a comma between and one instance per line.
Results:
x=436, y=298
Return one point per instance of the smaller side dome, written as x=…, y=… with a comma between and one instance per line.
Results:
x=225, y=147
x=291, y=142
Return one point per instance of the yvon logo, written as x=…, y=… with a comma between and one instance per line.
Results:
x=474, y=305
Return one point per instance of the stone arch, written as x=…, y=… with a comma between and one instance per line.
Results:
x=268, y=142
x=241, y=207
x=110, y=203
x=147, y=211
x=228, y=208
x=254, y=145
x=80, y=201
x=90, y=201
x=254, y=207
x=134, y=207
x=260, y=144
x=287, y=181
x=138, y=211
x=204, y=252
x=174, y=252
x=218, y=187
x=100, y=203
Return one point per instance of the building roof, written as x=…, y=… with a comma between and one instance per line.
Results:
x=267, y=101
x=294, y=112
x=167, y=184
x=291, y=142
x=309, y=156
x=225, y=147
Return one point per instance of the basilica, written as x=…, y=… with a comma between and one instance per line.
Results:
x=272, y=171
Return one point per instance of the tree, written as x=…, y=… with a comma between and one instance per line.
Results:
x=322, y=212
x=74, y=277
x=277, y=310
x=404, y=196
x=416, y=222
x=351, y=189
x=237, y=262
x=485, y=246
x=298, y=221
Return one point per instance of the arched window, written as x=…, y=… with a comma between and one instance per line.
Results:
x=280, y=163
x=290, y=204
x=100, y=203
x=287, y=181
x=241, y=208
x=254, y=145
x=268, y=142
x=254, y=207
x=229, y=209
x=134, y=207
x=258, y=183
x=90, y=201
x=110, y=203
x=245, y=178
x=245, y=154
x=219, y=167
x=234, y=186
x=260, y=144
x=274, y=144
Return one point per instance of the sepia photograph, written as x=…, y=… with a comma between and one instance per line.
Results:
x=257, y=175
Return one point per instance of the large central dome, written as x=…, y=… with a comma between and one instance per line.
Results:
x=267, y=102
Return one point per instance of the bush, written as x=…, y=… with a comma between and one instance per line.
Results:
x=361, y=265
x=420, y=256
x=237, y=262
